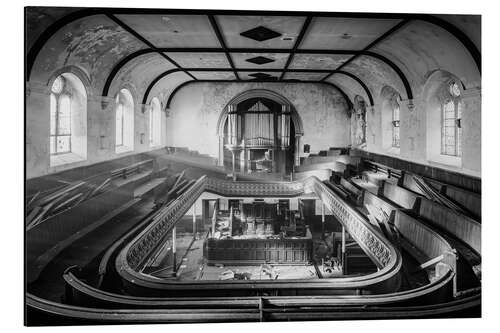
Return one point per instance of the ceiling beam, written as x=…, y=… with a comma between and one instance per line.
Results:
x=220, y=37
x=67, y=19
x=145, y=41
x=385, y=35
x=301, y=35
x=130, y=57
x=166, y=73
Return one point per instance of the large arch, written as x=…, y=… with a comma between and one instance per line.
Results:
x=297, y=121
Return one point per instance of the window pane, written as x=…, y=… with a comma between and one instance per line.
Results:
x=64, y=116
x=119, y=125
x=53, y=110
x=151, y=128
x=395, y=136
x=63, y=144
x=52, y=144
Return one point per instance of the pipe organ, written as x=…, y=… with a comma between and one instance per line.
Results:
x=260, y=133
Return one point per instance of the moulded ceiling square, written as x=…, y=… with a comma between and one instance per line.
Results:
x=240, y=60
x=232, y=26
x=344, y=33
x=173, y=30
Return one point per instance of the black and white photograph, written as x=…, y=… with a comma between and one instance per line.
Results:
x=225, y=165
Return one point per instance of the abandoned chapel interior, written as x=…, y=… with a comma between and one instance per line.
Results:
x=220, y=165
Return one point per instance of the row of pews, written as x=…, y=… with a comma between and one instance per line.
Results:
x=393, y=210
x=406, y=211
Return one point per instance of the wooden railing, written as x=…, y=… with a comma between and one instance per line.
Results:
x=376, y=246
x=161, y=223
x=254, y=189
x=379, y=249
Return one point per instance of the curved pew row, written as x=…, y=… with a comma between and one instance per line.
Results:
x=441, y=286
x=415, y=236
x=470, y=306
x=377, y=247
x=461, y=231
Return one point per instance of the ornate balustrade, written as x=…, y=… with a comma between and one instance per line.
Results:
x=162, y=222
x=254, y=189
x=370, y=240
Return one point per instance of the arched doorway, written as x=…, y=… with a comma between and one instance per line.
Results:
x=259, y=132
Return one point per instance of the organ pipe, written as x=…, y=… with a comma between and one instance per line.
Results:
x=259, y=126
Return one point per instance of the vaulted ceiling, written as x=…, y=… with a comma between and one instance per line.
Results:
x=357, y=53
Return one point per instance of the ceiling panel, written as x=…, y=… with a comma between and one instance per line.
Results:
x=201, y=60
x=232, y=26
x=214, y=75
x=173, y=30
x=304, y=76
x=318, y=61
x=280, y=59
x=344, y=33
x=247, y=75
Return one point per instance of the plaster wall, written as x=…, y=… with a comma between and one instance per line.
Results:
x=416, y=139
x=100, y=131
x=196, y=108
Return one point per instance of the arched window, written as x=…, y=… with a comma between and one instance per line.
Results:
x=395, y=123
x=155, y=123
x=359, y=125
x=124, y=122
x=451, y=114
x=68, y=120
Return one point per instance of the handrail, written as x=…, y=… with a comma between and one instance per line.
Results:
x=386, y=257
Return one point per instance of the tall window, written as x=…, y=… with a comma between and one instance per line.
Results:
x=119, y=122
x=68, y=120
x=60, y=117
x=124, y=122
x=395, y=124
x=155, y=123
x=451, y=131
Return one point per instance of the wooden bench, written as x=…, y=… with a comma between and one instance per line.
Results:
x=131, y=169
x=399, y=195
x=458, y=225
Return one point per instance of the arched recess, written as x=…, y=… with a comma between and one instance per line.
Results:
x=264, y=94
x=124, y=121
x=297, y=121
x=436, y=93
x=390, y=106
x=68, y=101
x=358, y=122
x=155, y=123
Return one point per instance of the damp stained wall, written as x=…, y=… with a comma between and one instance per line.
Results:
x=196, y=108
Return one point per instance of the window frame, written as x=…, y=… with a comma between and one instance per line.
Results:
x=396, y=124
x=58, y=96
x=453, y=96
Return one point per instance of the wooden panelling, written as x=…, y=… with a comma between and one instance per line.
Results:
x=470, y=183
x=460, y=226
x=426, y=241
x=399, y=195
x=258, y=251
